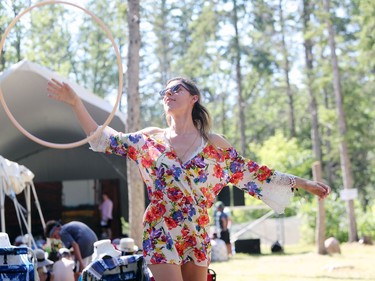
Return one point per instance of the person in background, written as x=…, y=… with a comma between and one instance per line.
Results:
x=106, y=208
x=43, y=265
x=184, y=167
x=219, y=250
x=222, y=222
x=19, y=241
x=76, y=235
x=63, y=269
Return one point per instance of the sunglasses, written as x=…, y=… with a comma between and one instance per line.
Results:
x=174, y=89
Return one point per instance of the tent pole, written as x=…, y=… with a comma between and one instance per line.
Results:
x=37, y=204
x=28, y=207
x=2, y=203
x=30, y=236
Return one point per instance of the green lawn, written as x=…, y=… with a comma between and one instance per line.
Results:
x=300, y=263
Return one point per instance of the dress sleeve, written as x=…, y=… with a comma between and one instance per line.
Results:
x=110, y=141
x=274, y=188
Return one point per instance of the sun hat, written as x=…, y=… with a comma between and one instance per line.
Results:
x=4, y=240
x=41, y=258
x=104, y=248
x=127, y=245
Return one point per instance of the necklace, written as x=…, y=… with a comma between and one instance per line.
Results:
x=169, y=139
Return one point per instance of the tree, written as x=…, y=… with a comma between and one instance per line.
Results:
x=135, y=183
x=320, y=224
x=49, y=38
x=240, y=101
x=286, y=70
x=344, y=155
x=12, y=49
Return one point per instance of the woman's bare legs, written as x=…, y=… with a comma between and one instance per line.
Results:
x=171, y=272
x=166, y=272
x=193, y=272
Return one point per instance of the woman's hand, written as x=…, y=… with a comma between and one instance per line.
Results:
x=62, y=92
x=317, y=188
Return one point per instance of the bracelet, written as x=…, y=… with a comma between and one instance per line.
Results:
x=293, y=183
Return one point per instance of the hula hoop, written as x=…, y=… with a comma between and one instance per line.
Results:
x=120, y=70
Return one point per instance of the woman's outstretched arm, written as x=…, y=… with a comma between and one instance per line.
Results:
x=63, y=92
x=320, y=189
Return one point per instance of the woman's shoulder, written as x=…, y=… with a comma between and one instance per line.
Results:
x=218, y=141
x=152, y=130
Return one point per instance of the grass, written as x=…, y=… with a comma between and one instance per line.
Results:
x=300, y=263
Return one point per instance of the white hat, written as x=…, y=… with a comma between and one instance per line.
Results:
x=41, y=258
x=104, y=248
x=64, y=251
x=127, y=245
x=4, y=240
x=18, y=240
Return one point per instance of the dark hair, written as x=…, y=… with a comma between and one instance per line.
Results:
x=49, y=226
x=200, y=115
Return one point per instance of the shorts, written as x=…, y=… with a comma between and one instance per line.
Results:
x=224, y=235
x=106, y=224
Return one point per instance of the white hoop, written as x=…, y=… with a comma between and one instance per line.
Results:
x=120, y=70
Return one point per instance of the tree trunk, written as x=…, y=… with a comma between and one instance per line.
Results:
x=165, y=66
x=344, y=156
x=286, y=69
x=321, y=216
x=240, y=101
x=329, y=167
x=2, y=55
x=320, y=223
x=135, y=183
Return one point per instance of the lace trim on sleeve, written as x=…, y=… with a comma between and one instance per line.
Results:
x=279, y=191
x=283, y=179
x=102, y=141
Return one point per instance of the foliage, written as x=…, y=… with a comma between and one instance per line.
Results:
x=336, y=220
x=125, y=227
x=283, y=154
x=366, y=223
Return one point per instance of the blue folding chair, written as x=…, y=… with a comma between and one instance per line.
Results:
x=17, y=264
x=129, y=268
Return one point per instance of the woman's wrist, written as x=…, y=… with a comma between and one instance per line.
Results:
x=76, y=102
x=301, y=183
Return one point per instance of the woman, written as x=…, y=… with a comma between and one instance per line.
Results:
x=184, y=167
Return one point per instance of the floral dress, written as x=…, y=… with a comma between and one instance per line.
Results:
x=176, y=221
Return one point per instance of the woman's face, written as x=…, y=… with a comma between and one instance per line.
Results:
x=177, y=98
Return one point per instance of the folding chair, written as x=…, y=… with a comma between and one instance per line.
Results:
x=129, y=268
x=17, y=263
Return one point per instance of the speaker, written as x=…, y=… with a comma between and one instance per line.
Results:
x=248, y=246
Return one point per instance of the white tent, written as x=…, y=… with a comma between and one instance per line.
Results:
x=24, y=86
x=14, y=179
